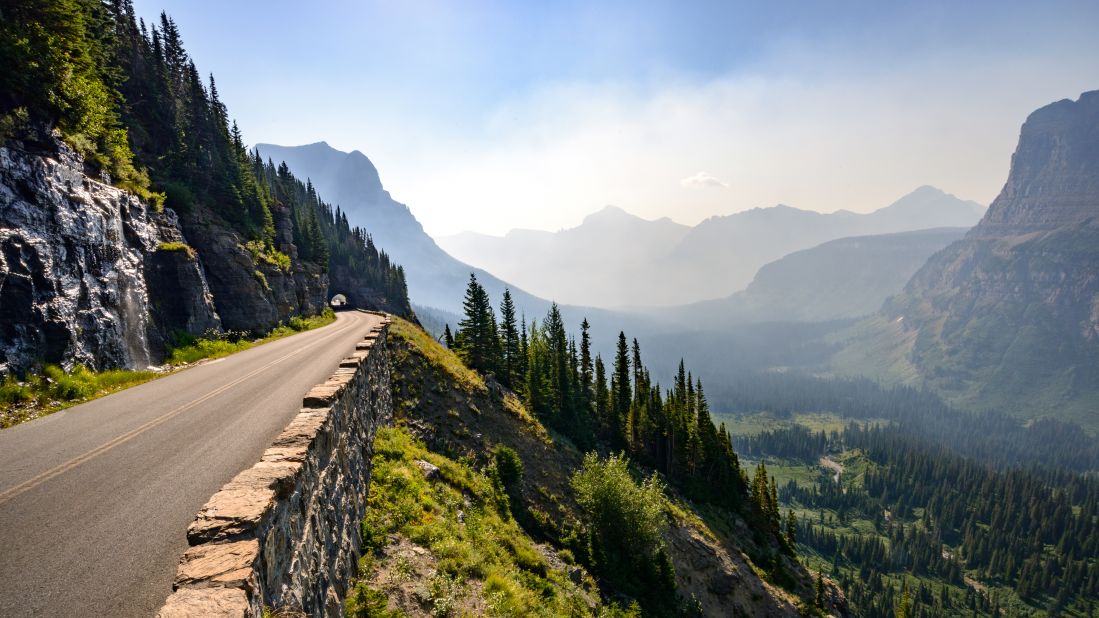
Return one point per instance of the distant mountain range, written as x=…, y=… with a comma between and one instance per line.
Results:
x=615, y=259
x=839, y=279
x=1008, y=317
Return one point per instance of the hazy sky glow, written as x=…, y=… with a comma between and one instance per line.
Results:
x=489, y=116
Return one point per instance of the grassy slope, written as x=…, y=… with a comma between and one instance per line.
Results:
x=451, y=417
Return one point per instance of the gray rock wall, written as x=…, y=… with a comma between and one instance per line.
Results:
x=285, y=534
x=82, y=270
x=253, y=296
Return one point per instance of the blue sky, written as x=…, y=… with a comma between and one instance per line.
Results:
x=494, y=115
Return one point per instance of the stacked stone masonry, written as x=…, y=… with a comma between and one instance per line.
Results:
x=285, y=533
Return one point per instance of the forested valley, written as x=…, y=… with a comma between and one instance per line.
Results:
x=908, y=502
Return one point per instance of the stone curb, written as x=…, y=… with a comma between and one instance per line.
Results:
x=242, y=542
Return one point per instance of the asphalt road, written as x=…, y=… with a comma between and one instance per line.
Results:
x=95, y=500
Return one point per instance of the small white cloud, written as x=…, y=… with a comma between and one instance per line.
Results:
x=702, y=179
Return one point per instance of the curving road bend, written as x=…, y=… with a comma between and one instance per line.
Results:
x=95, y=500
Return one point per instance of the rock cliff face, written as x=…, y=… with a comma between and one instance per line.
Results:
x=90, y=274
x=84, y=277
x=1054, y=181
x=253, y=295
x=1008, y=317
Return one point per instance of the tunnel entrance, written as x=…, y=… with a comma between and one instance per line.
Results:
x=339, y=301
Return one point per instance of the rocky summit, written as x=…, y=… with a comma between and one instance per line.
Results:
x=1008, y=317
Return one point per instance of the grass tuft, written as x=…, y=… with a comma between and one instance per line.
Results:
x=438, y=355
x=177, y=247
x=54, y=389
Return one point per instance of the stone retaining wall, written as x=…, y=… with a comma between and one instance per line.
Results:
x=285, y=534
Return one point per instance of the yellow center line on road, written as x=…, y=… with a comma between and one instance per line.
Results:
x=99, y=450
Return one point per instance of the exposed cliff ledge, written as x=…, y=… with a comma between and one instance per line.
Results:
x=285, y=533
x=1054, y=179
x=83, y=278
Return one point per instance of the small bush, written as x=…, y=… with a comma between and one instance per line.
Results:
x=626, y=515
x=626, y=521
x=178, y=197
x=13, y=391
x=264, y=252
x=177, y=247
x=509, y=466
x=446, y=591
x=366, y=602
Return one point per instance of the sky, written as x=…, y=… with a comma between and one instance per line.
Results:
x=488, y=116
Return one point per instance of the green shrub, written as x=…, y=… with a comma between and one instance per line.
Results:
x=446, y=591
x=178, y=197
x=177, y=247
x=626, y=521
x=264, y=252
x=13, y=391
x=509, y=466
x=623, y=513
x=366, y=602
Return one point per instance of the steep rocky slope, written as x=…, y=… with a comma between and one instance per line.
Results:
x=1008, y=317
x=91, y=274
x=88, y=273
x=253, y=294
x=435, y=279
x=460, y=418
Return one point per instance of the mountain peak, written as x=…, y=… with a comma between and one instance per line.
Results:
x=1054, y=178
x=610, y=215
x=928, y=202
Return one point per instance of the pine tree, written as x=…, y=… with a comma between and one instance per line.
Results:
x=620, y=393
x=819, y=598
x=448, y=338
x=602, y=395
x=474, y=340
x=904, y=609
x=586, y=368
x=559, y=366
x=509, y=333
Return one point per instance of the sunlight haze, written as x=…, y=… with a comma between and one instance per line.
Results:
x=492, y=116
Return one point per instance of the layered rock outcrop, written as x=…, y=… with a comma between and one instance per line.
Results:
x=253, y=295
x=1054, y=180
x=89, y=273
x=285, y=534
x=1008, y=317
